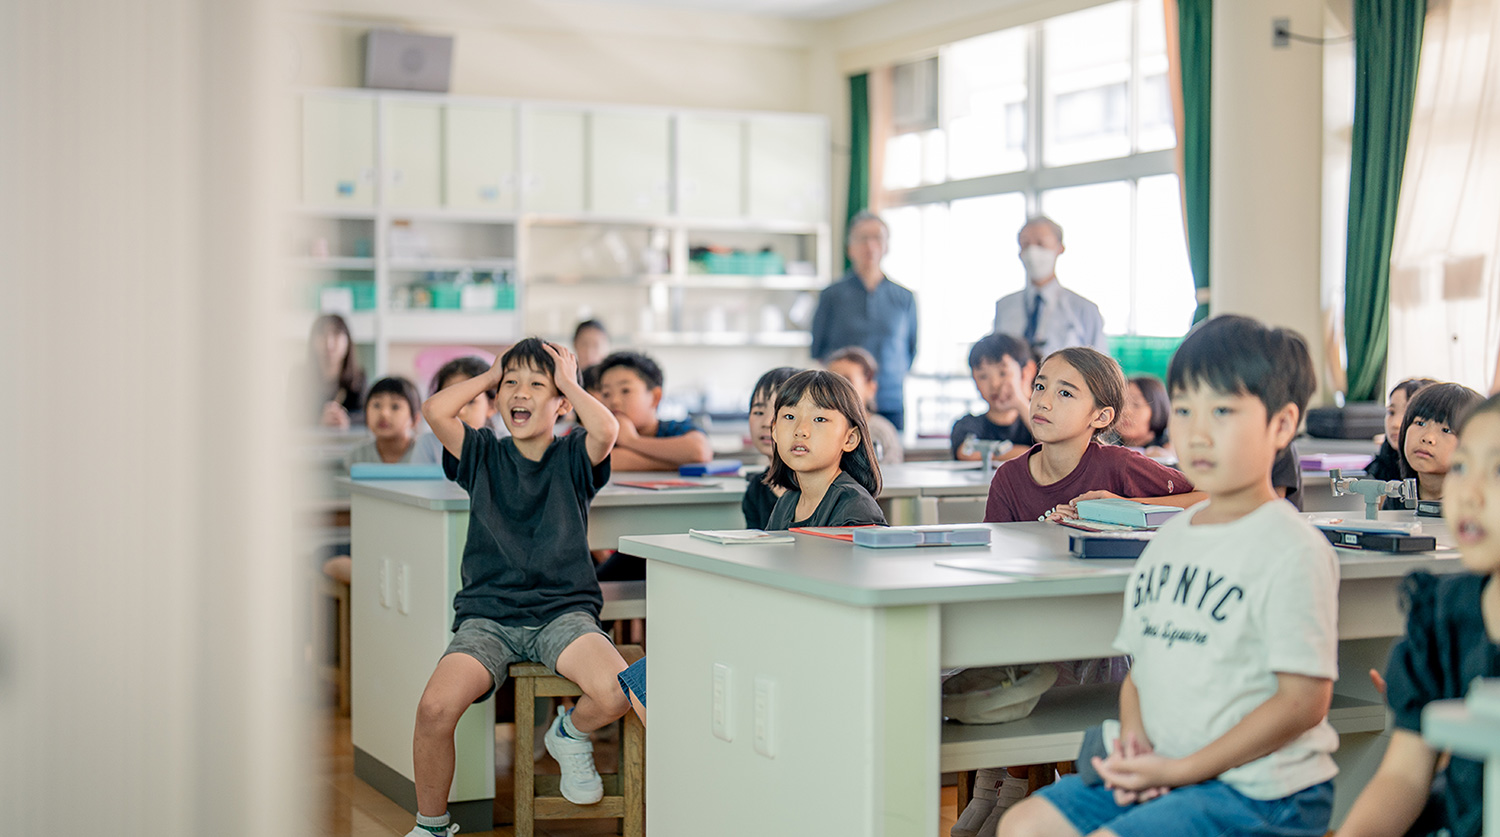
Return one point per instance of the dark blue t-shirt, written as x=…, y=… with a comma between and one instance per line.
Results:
x=526, y=561
x=847, y=503
x=981, y=428
x=758, y=502
x=678, y=427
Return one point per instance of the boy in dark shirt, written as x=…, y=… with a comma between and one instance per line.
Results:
x=760, y=498
x=1003, y=369
x=529, y=590
x=630, y=384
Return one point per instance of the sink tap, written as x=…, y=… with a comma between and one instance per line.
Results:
x=1373, y=490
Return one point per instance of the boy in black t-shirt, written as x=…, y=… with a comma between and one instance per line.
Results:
x=1003, y=368
x=529, y=591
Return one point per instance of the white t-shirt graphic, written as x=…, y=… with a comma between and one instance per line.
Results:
x=1212, y=613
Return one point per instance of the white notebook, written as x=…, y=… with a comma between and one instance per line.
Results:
x=734, y=536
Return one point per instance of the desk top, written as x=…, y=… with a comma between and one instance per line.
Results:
x=443, y=495
x=841, y=572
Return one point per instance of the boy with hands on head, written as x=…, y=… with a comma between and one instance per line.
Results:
x=529, y=589
x=1231, y=616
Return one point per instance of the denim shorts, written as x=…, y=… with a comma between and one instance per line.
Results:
x=633, y=680
x=1210, y=808
x=496, y=646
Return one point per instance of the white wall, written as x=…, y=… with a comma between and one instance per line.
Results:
x=149, y=604
x=1266, y=227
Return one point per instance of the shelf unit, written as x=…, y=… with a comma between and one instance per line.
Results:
x=404, y=193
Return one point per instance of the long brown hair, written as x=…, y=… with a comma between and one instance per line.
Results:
x=351, y=371
x=829, y=392
x=1101, y=375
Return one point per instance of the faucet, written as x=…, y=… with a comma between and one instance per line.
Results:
x=1373, y=490
x=990, y=449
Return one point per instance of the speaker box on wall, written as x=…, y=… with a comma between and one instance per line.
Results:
x=404, y=61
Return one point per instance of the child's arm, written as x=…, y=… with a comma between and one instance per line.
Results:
x=1398, y=791
x=598, y=422
x=625, y=459
x=1299, y=704
x=670, y=451
x=441, y=410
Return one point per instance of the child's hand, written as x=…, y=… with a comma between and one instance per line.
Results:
x=334, y=415
x=1094, y=495
x=1130, y=746
x=628, y=433
x=1146, y=775
x=564, y=364
x=1378, y=681
x=1059, y=513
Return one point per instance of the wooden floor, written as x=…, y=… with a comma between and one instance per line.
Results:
x=351, y=808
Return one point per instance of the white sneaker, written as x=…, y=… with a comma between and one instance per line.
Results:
x=973, y=816
x=580, y=783
x=1013, y=791
x=419, y=831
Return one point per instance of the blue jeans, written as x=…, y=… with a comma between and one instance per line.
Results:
x=1211, y=808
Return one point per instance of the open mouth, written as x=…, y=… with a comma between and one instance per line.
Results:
x=799, y=449
x=1469, y=532
x=520, y=415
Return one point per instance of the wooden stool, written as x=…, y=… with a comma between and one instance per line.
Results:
x=538, y=797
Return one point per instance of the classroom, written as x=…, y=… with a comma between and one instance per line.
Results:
x=991, y=418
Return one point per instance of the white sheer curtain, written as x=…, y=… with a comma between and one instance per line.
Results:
x=1445, y=275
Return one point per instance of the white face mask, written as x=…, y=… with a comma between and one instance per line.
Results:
x=1038, y=261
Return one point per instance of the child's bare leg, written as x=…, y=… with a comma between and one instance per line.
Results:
x=1036, y=817
x=457, y=682
x=640, y=708
x=592, y=663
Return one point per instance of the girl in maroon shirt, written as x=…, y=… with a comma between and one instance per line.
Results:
x=1077, y=395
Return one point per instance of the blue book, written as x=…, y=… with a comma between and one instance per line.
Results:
x=1125, y=512
x=712, y=468
x=395, y=471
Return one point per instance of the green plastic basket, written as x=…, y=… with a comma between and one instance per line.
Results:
x=1143, y=355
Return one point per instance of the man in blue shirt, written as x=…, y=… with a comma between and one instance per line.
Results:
x=868, y=310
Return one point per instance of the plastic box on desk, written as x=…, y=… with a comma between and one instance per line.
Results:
x=902, y=536
x=395, y=471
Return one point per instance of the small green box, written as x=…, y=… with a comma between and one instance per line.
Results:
x=445, y=295
x=505, y=298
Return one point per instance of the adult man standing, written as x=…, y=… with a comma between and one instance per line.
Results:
x=1047, y=315
x=868, y=310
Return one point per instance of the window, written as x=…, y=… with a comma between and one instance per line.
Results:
x=1069, y=117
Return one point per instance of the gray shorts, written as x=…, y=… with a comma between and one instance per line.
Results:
x=496, y=646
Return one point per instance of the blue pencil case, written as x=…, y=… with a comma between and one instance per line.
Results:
x=712, y=468
x=395, y=471
x=899, y=536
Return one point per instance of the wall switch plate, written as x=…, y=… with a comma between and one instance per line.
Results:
x=720, y=708
x=385, y=583
x=1281, y=31
x=765, y=693
x=403, y=589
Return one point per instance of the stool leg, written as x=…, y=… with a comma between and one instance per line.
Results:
x=965, y=789
x=343, y=614
x=633, y=750
x=1040, y=775
x=525, y=767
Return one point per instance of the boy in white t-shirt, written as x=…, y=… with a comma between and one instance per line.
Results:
x=1231, y=616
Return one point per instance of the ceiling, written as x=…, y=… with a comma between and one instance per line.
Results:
x=802, y=9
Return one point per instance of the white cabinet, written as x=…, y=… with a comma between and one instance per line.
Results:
x=553, y=181
x=414, y=161
x=480, y=157
x=338, y=150
x=711, y=161
x=787, y=168
x=630, y=158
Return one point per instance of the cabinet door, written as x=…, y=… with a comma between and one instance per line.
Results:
x=553, y=180
x=338, y=150
x=788, y=169
x=480, y=157
x=711, y=153
x=629, y=164
x=414, y=164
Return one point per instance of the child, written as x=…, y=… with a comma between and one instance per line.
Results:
x=1003, y=368
x=1427, y=437
x=859, y=368
x=1387, y=462
x=591, y=342
x=760, y=497
x=1231, y=615
x=334, y=372
x=630, y=384
x=391, y=415
x=1143, y=421
x=529, y=591
x=823, y=456
x=1075, y=398
x=1449, y=625
x=477, y=413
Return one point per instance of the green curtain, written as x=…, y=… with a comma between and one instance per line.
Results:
x=859, y=150
x=1387, y=44
x=1195, y=29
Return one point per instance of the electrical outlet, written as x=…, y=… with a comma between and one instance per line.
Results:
x=385, y=583
x=1281, y=31
x=765, y=692
x=403, y=589
x=720, y=708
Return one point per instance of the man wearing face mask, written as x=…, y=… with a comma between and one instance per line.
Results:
x=1048, y=315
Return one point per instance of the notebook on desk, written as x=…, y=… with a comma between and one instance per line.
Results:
x=666, y=485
